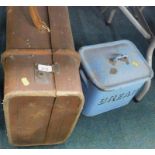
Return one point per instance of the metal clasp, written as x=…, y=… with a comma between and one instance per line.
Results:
x=120, y=57
x=47, y=68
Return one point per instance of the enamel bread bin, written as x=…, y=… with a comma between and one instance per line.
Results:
x=112, y=74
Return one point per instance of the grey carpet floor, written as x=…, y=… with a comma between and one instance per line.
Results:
x=132, y=126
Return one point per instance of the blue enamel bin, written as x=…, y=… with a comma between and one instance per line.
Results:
x=112, y=74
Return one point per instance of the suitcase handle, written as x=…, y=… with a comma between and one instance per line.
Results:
x=39, y=24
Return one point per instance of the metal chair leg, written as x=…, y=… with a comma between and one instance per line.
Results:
x=112, y=14
x=135, y=22
x=147, y=85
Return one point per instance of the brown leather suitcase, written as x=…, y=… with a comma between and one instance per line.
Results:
x=43, y=96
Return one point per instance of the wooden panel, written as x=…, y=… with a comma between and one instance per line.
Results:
x=28, y=118
x=22, y=64
x=61, y=35
x=21, y=32
x=64, y=116
x=67, y=78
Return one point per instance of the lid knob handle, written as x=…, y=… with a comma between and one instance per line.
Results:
x=120, y=57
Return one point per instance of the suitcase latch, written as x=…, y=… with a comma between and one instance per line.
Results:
x=48, y=68
x=43, y=72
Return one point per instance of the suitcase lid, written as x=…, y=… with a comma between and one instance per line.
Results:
x=115, y=64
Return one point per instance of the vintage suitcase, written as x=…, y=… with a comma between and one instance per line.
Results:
x=112, y=74
x=43, y=96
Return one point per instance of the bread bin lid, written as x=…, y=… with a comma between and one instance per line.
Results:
x=114, y=64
